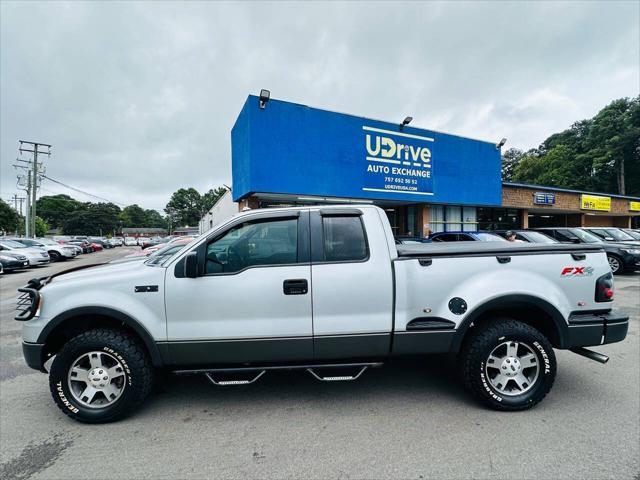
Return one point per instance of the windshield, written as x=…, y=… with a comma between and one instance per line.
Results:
x=633, y=234
x=489, y=237
x=165, y=253
x=617, y=234
x=586, y=237
x=537, y=237
x=46, y=241
x=12, y=244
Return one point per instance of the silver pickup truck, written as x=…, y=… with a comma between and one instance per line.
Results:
x=319, y=288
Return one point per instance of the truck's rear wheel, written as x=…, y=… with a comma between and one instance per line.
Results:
x=100, y=376
x=508, y=365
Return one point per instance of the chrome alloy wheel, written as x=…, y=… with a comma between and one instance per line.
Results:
x=614, y=264
x=512, y=368
x=96, y=379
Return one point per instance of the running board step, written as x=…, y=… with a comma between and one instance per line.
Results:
x=224, y=383
x=338, y=378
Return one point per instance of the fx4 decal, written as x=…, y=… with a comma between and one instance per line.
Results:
x=576, y=272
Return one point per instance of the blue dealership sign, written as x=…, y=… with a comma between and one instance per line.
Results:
x=293, y=149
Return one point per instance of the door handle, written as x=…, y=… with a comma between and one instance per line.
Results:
x=295, y=287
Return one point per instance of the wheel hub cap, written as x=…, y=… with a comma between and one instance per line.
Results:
x=98, y=378
x=511, y=366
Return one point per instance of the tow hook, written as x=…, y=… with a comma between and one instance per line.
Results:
x=598, y=357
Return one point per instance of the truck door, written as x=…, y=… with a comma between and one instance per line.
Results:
x=251, y=301
x=352, y=284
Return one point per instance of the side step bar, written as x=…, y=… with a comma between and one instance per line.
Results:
x=223, y=383
x=338, y=378
x=214, y=374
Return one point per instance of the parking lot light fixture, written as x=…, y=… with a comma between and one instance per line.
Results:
x=406, y=121
x=264, y=97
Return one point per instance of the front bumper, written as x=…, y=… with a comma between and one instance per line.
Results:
x=34, y=261
x=35, y=355
x=631, y=262
x=597, y=328
x=14, y=264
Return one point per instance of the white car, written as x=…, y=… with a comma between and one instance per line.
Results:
x=35, y=255
x=130, y=241
x=323, y=289
x=56, y=251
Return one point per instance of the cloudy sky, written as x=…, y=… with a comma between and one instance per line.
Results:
x=138, y=98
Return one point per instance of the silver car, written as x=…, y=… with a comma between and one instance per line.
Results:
x=35, y=255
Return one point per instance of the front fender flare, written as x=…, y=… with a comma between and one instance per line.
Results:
x=87, y=311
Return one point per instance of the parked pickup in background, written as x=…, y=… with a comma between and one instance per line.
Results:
x=322, y=289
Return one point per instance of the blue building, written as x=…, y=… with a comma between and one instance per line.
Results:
x=286, y=154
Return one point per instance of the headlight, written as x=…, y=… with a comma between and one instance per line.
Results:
x=633, y=251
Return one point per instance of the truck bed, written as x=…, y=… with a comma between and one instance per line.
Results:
x=490, y=248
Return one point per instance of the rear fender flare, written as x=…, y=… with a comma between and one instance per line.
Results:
x=513, y=301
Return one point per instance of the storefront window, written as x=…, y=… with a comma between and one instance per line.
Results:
x=498, y=218
x=452, y=219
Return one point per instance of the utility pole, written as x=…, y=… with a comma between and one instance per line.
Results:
x=17, y=199
x=36, y=149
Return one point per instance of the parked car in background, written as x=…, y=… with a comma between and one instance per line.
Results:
x=96, y=246
x=57, y=252
x=633, y=233
x=621, y=256
x=130, y=241
x=530, y=236
x=103, y=242
x=83, y=244
x=465, y=237
x=408, y=240
x=11, y=261
x=610, y=234
x=35, y=255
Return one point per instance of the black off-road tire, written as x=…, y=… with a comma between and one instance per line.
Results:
x=480, y=344
x=138, y=374
x=55, y=256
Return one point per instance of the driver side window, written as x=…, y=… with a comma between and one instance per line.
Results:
x=250, y=244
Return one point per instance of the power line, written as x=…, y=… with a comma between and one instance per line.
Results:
x=82, y=191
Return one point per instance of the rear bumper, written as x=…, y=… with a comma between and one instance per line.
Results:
x=595, y=328
x=34, y=355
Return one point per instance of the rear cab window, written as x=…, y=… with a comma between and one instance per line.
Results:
x=344, y=239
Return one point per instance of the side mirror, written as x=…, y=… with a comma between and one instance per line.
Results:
x=191, y=265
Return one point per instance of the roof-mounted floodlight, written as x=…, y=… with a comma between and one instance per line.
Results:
x=406, y=121
x=264, y=97
x=501, y=143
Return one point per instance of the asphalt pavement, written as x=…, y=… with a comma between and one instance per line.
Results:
x=409, y=419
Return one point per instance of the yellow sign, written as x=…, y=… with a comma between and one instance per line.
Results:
x=634, y=206
x=595, y=202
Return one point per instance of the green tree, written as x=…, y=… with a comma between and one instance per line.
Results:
x=133, y=216
x=185, y=207
x=42, y=227
x=510, y=160
x=153, y=219
x=56, y=209
x=599, y=154
x=210, y=198
x=9, y=219
x=93, y=219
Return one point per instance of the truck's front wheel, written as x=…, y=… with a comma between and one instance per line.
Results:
x=508, y=365
x=100, y=376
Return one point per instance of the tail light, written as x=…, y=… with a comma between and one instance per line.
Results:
x=604, y=288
